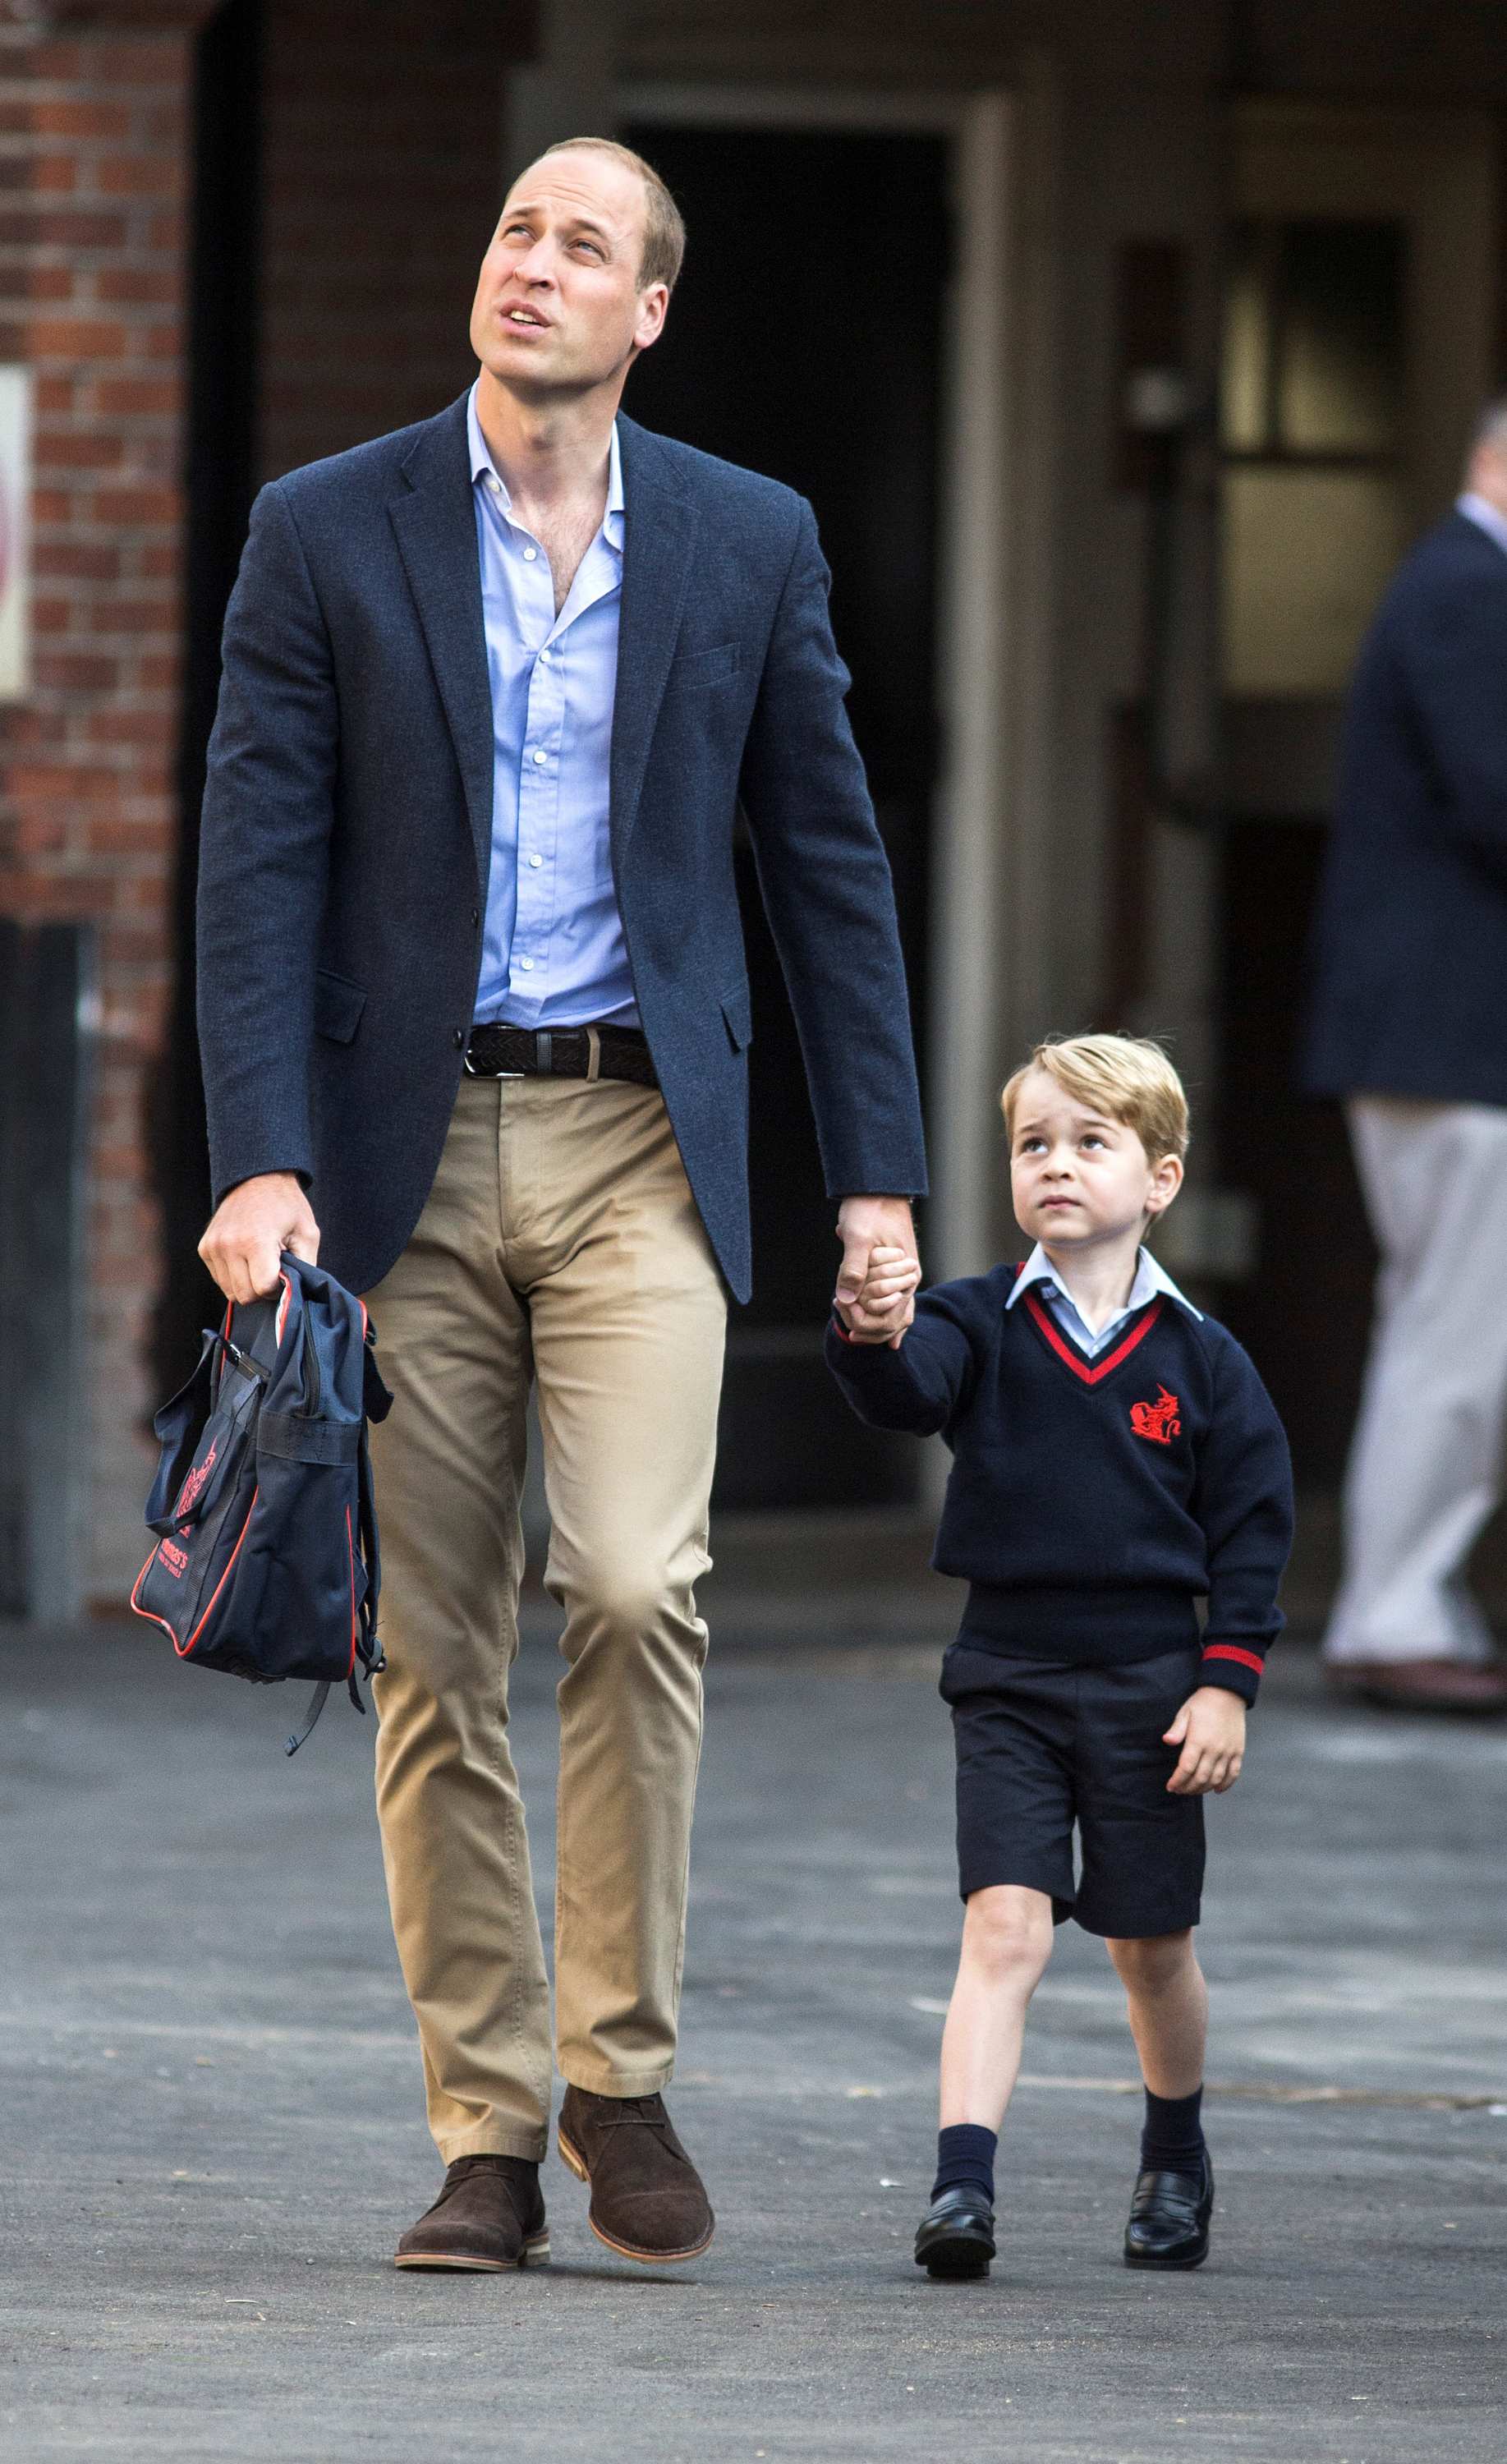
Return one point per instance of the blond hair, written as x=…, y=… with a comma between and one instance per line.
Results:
x=664, y=225
x=1127, y=1077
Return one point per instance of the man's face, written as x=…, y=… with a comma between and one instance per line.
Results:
x=1488, y=474
x=558, y=308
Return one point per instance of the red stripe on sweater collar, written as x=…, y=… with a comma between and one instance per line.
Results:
x=1091, y=1373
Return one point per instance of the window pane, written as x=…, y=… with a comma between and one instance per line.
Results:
x=1340, y=382
x=1243, y=378
x=1306, y=555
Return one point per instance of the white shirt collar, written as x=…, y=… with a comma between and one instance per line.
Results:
x=483, y=466
x=1150, y=1278
x=1481, y=511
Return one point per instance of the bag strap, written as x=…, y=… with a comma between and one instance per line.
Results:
x=316, y=1703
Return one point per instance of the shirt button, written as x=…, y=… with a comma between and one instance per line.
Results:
x=495, y=485
x=541, y=757
x=546, y=655
x=534, y=862
x=527, y=964
x=530, y=554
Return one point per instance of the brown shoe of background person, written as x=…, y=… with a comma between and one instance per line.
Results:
x=1450, y=1685
x=647, y=2196
x=490, y=2215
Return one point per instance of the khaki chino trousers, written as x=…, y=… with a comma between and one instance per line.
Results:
x=560, y=1243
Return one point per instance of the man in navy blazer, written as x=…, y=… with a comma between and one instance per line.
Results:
x=474, y=1015
x=1408, y=1025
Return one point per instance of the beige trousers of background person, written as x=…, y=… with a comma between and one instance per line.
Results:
x=560, y=1241
x=1426, y=1462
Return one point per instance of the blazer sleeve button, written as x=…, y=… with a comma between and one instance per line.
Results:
x=458, y=1039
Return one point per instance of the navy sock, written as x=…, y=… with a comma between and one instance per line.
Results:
x=1172, y=2136
x=965, y=2154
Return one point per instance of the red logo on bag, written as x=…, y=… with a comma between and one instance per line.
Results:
x=174, y=1558
x=1158, y=1420
x=195, y=1482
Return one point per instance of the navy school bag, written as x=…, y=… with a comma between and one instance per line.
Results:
x=266, y=1562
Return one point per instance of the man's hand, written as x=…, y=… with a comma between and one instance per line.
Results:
x=865, y=1224
x=251, y=1228
x=886, y=1292
x=1210, y=1729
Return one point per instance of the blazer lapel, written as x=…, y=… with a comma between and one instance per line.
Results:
x=435, y=522
x=659, y=537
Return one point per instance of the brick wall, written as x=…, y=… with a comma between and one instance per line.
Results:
x=92, y=182
x=381, y=184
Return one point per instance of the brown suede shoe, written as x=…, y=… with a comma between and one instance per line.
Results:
x=647, y=2196
x=489, y=2214
x=1450, y=1685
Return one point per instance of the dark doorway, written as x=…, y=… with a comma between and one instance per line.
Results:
x=219, y=479
x=806, y=342
x=1304, y=1315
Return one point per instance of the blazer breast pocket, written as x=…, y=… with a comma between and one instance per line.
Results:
x=338, y=1006
x=703, y=669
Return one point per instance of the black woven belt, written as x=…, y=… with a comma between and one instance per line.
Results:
x=560, y=1052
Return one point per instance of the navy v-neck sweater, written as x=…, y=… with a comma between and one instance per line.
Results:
x=1092, y=1502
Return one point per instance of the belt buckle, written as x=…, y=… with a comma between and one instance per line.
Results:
x=471, y=1072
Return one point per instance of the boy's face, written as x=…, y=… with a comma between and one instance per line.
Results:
x=1079, y=1177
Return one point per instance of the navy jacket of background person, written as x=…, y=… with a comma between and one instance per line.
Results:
x=347, y=827
x=1410, y=954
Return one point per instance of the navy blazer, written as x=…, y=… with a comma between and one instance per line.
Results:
x=347, y=826
x=1410, y=952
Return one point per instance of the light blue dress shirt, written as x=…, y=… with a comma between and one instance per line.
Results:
x=1481, y=511
x=553, y=951
x=1149, y=1280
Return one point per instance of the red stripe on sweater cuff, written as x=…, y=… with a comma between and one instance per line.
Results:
x=1233, y=1651
x=841, y=1331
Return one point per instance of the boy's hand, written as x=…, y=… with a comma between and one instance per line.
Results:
x=877, y=1312
x=1210, y=1729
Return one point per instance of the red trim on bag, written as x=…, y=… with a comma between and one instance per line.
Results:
x=183, y=1649
x=150, y=1615
x=1233, y=1651
x=1101, y=1369
x=350, y=1550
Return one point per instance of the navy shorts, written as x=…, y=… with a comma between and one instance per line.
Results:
x=1044, y=1748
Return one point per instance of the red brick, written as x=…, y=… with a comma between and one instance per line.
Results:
x=135, y=175
x=137, y=505
x=77, y=670
x=135, y=397
x=78, y=338
x=76, y=557
x=52, y=282
x=54, y=175
x=59, y=450
x=89, y=228
x=52, y=119
x=137, y=286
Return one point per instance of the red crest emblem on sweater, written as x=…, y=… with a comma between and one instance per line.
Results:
x=1158, y=1420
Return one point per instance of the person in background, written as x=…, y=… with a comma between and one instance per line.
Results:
x=1409, y=1028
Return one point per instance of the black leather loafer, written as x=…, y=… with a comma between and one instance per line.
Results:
x=1170, y=2216
x=956, y=2236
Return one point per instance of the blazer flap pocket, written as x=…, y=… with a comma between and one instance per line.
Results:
x=739, y=1017
x=699, y=668
x=338, y=1006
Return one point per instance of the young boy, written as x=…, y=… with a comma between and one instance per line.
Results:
x=1115, y=1456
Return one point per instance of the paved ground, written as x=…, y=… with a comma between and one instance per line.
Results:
x=211, y=2125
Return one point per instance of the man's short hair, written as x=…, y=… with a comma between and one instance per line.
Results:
x=664, y=225
x=1127, y=1077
